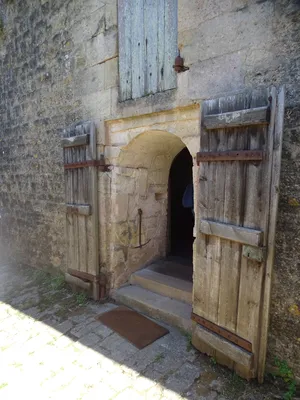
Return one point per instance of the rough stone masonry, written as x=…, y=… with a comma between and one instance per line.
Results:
x=59, y=65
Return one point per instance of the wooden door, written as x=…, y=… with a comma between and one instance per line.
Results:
x=79, y=148
x=239, y=166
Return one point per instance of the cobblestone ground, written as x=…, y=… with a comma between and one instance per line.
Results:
x=51, y=347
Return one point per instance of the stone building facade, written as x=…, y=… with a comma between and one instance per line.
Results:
x=59, y=64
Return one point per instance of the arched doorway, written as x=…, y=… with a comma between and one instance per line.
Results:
x=181, y=218
x=143, y=194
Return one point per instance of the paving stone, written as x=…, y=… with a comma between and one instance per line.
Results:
x=140, y=360
x=183, y=378
x=119, y=381
x=128, y=394
x=64, y=327
x=82, y=318
x=167, y=362
x=81, y=329
x=101, y=330
x=99, y=391
x=142, y=384
x=170, y=395
x=90, y=339
x=154, y=393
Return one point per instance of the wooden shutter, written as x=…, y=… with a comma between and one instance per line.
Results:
x=239, y=161
x=79, y=148
x=147, y=46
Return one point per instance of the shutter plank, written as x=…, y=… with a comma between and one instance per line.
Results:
x=160, y=44
x=150, y=35
x=125, y=57
x=138, y=49
x=171, y=49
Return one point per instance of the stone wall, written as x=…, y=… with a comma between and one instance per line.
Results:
x=59, y=65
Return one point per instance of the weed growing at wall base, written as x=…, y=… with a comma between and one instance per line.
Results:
x=286, y=373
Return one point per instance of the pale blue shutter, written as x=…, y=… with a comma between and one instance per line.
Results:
x=147, y=46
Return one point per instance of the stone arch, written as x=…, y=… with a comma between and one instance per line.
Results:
x=153, y=152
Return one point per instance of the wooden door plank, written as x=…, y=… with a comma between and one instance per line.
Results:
x=225, y=347
x=210, y=269
x=235, y=233
x=222, y=215
x=151, y=48
x=92, y=234
x=252, y=116
x=82, y=243
x=231, y=251
x=125, y=56
x=76, y=232
x=274, y=197
x=201, y=271
x=138, y=48
x=252, y=271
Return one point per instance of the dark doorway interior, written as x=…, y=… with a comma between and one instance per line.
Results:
x=181, y=220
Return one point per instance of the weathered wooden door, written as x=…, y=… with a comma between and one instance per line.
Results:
x=79, y=148
x=239, y=165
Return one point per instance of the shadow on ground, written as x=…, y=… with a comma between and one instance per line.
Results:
x=52, y=347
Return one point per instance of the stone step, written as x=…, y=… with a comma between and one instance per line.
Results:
x=165, y=285
x=154, y=305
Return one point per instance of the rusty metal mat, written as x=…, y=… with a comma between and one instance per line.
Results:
x=134, y=327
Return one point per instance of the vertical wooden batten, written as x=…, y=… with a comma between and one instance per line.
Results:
x=274, y=198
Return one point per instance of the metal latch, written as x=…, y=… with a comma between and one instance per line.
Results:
x=254, y=253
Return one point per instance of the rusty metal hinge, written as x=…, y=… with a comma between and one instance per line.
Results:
x=231, y=155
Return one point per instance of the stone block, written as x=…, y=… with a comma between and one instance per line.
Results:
x=191, y=13
x=85, y=28
x=120, y=204
x=123, y=184
x=97, y=104
x=78, y=10
x=183, y=378
x=90, y=80
x=228, y=33
x=217, y=76
x=111, y=72
x=111, y=14
x=142, y=182
x=101, y=47
x=112, y=153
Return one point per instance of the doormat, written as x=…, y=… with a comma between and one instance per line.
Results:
x=134, y=327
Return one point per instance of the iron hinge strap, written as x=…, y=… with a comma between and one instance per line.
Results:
x=232, y=337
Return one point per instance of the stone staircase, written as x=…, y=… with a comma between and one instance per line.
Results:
x=162, y=291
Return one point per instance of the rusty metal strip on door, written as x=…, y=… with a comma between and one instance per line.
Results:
x=222, y=332
x=232, y=155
